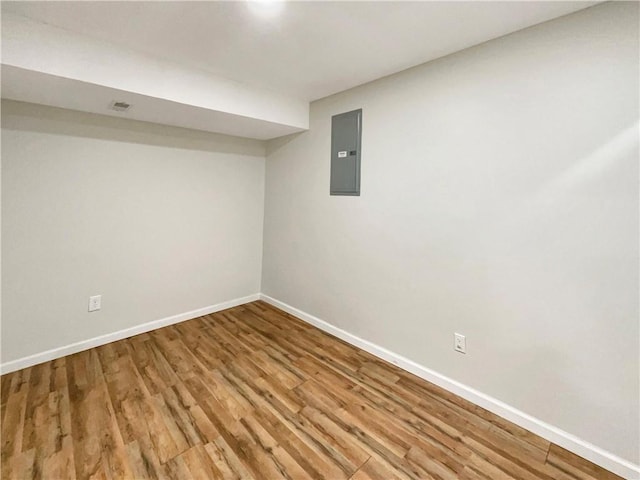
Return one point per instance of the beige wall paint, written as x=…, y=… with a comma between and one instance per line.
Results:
x=499, y=200
x=158, y=220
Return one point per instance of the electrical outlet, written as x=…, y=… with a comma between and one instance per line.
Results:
x=94, y=303
x=459, y=343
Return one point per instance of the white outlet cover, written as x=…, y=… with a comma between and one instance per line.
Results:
x=459, y=343
x=95, y=303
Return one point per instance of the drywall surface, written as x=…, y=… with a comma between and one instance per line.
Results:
x=158, y=220
x=499, y=200
x=43, y=55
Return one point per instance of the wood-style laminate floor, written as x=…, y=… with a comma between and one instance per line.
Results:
x=253, y=393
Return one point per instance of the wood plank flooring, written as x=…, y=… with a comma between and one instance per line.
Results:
x=254, y=393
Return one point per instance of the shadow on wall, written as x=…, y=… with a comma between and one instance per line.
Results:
x=623, y=147
x=58, y=121
x=277, y=143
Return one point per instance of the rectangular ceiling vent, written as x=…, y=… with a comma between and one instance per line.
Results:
x=120, y=106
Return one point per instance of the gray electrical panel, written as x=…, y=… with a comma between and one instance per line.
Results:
x=346, y=139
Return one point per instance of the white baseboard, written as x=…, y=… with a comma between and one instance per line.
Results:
x=555, y=435
x=564, y=439
x=119, y=335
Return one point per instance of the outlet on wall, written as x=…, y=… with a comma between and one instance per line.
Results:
x=459, y=343
x=95, y=303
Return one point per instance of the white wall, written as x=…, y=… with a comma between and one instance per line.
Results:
x=158, y=220
x=499, y=200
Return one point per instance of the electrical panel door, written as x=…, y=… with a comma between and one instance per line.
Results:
x=346, y=139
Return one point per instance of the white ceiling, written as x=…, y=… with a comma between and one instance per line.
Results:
x=307, y=50
x=52, y=66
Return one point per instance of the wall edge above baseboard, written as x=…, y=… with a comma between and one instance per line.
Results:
x=76, y=347
x=553, y=434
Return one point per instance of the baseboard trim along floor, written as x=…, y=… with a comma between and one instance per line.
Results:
x=54, y=353
x=555, y=435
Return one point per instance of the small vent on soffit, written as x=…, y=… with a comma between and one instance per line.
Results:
x=120, y=106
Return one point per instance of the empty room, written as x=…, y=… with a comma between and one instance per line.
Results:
x=357, y=240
